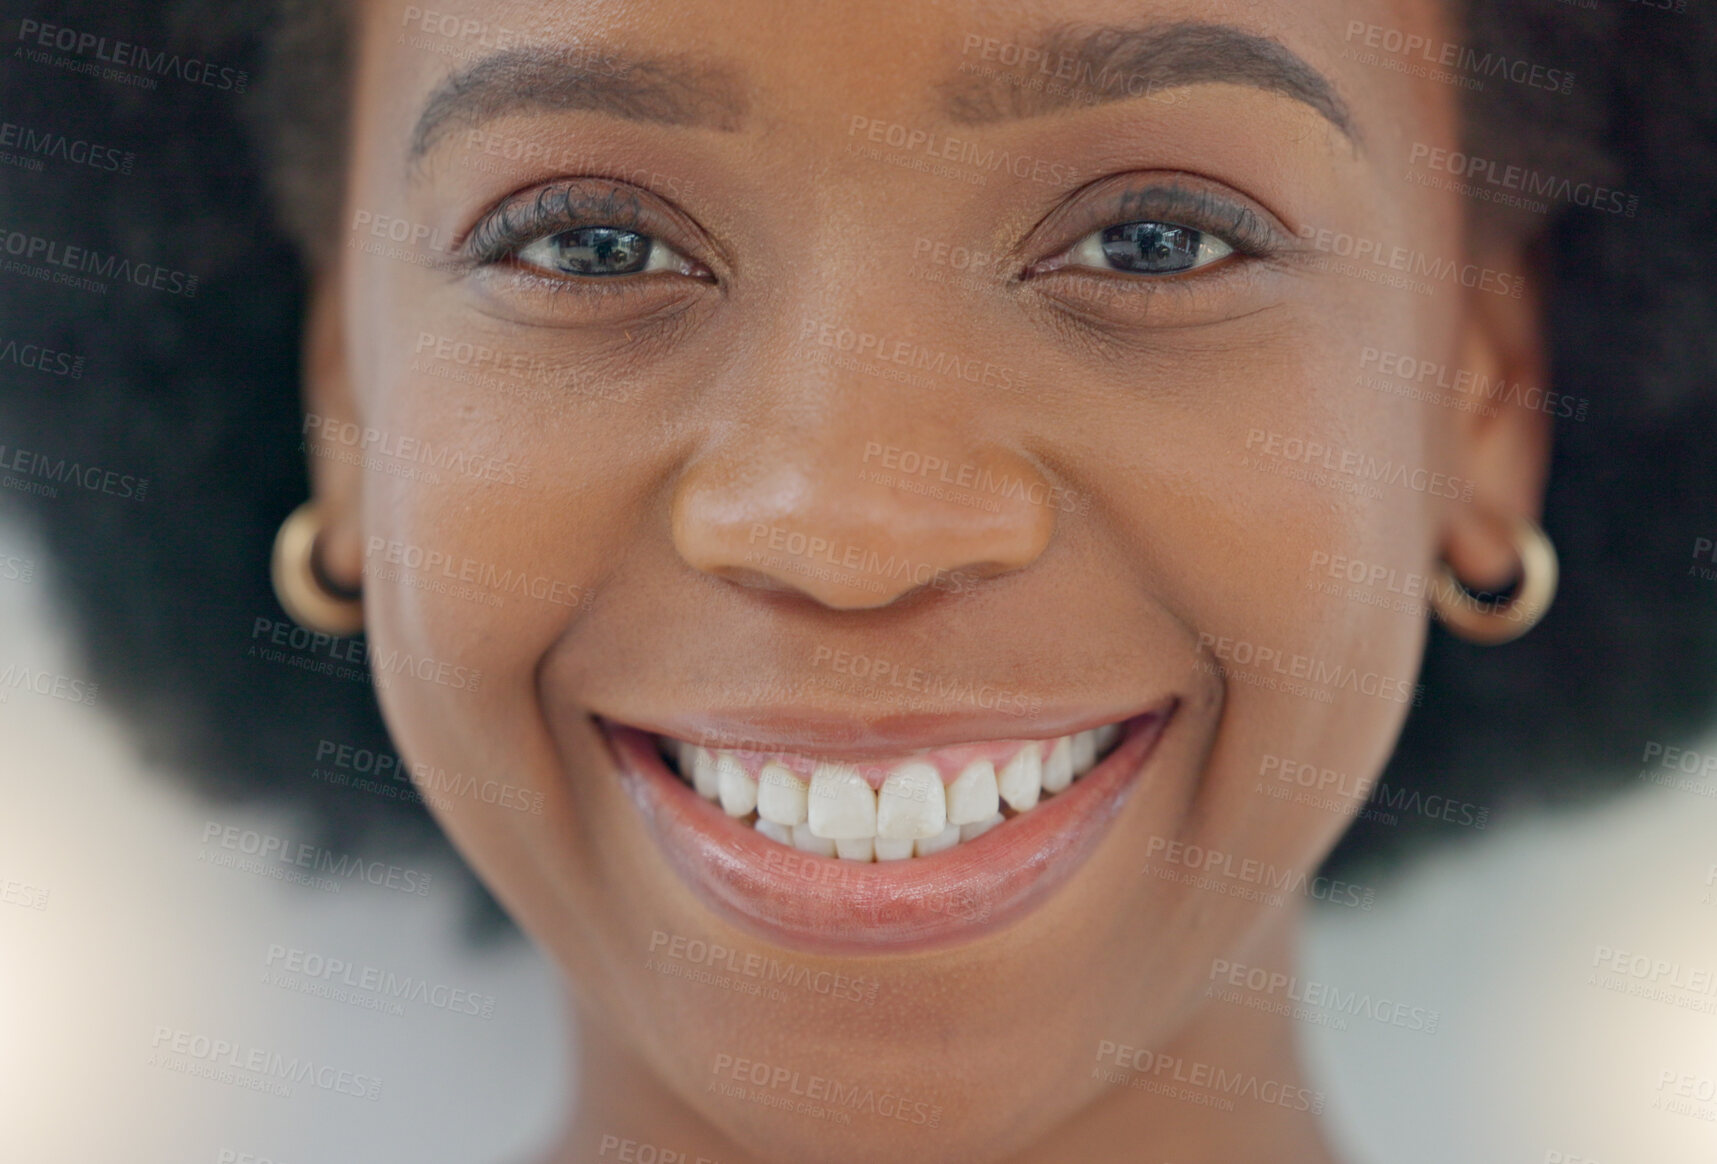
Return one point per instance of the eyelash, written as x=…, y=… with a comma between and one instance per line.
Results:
x=499, y=237
x=1200, y=210
x=519, y=222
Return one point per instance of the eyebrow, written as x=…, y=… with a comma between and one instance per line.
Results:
x=1108, y=63
x=675, y=91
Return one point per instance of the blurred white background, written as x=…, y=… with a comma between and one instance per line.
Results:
x=1533, y=1061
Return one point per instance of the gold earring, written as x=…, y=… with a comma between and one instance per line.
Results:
x=305, y=592
x=1492, y=624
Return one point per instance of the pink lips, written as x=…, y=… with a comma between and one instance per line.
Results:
x=828, y=905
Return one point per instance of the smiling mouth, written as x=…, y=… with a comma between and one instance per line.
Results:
x=914, y=806
x=991, y=827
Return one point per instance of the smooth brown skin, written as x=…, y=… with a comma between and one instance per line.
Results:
x=714, y=415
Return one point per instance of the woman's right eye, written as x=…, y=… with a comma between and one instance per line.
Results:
x=603, y=251
x=1148, y=248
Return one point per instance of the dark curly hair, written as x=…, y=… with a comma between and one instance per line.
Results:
x=199, y=394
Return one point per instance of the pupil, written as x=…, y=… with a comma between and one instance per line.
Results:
x=602, y=250
x=1155, y=248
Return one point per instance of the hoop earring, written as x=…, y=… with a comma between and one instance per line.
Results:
x=307, y=594
x=1491, y=624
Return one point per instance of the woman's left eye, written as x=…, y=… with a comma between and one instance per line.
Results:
x=602, y=251
x=1147, y=248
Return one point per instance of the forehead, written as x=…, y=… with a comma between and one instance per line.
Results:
x=752, y=66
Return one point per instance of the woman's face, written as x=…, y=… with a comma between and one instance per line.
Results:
x=873, y=389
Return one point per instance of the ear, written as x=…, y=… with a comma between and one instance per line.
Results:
x=331, y=428
x=1504, y=442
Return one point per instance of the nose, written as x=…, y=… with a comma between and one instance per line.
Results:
x=855, y=522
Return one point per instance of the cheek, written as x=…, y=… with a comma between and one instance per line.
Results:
x=1255, y=502
x=489, y=521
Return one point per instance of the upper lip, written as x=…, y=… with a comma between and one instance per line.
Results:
x=869, y=734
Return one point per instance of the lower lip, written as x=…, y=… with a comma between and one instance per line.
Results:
x=827, y=905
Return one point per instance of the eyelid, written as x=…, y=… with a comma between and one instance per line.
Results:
x=1087, y=254
x=663, y=257
x=1236, y=224
x=567, y=204
x=1253, y=231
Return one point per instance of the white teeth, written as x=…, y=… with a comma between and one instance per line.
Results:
x=704, y=777
x=857, y=849
x=780, y=795
x=810, y=842
x=1058, y=768
x=839, y=804
x=973, y=796
x=946, y=839
x=915, y=814
x=971, y=832
x=911, y=805
x=1021, y=780
x=779, y=833
x=737, y=790
x=1084, y=752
